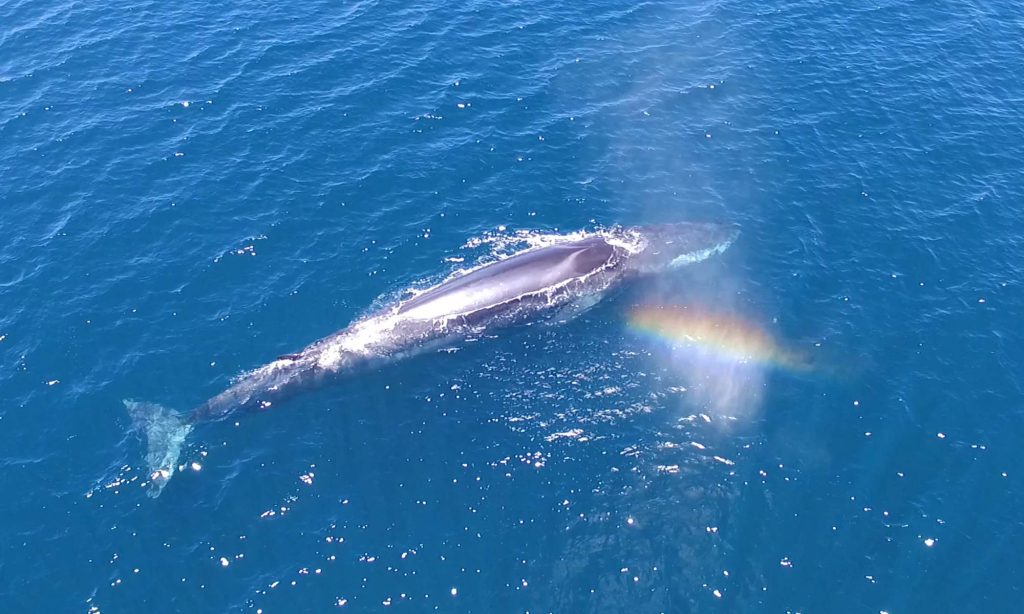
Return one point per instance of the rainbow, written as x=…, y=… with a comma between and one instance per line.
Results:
x=721, y=336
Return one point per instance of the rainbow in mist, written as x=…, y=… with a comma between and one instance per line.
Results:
x=721, y=336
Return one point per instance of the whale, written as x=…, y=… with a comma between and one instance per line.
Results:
x=556, y=280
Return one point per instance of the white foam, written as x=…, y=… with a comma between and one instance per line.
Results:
x=504, y=245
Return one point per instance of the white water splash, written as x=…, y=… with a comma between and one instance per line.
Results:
x=503, y=245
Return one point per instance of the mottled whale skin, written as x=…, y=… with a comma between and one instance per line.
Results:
x=518, y=288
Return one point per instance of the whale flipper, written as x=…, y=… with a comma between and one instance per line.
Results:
x=574, y=309
x=164, y=432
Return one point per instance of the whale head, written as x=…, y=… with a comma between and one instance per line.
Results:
x=670, y=246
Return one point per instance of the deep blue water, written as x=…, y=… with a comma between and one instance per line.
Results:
x=189, y=189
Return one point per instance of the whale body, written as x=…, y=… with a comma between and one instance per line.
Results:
x=576, y=271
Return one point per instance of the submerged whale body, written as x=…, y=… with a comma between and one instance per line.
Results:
x=563, y=275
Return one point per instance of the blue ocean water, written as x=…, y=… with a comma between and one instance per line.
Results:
x=189, y=190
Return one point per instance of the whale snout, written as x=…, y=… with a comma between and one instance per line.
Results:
x=670, y=246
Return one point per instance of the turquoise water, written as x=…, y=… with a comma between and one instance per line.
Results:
x=189, y=190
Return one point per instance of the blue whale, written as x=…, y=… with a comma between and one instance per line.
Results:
x=566, y=275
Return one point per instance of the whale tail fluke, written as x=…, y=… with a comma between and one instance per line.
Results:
x=164, y=433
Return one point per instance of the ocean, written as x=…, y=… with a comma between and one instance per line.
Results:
x=825, y=417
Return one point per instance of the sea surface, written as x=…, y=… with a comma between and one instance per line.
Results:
x=190, y=189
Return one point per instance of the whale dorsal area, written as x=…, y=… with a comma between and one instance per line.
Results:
x=525, y=273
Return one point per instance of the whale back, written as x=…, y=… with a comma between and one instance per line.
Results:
x=521, y=275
